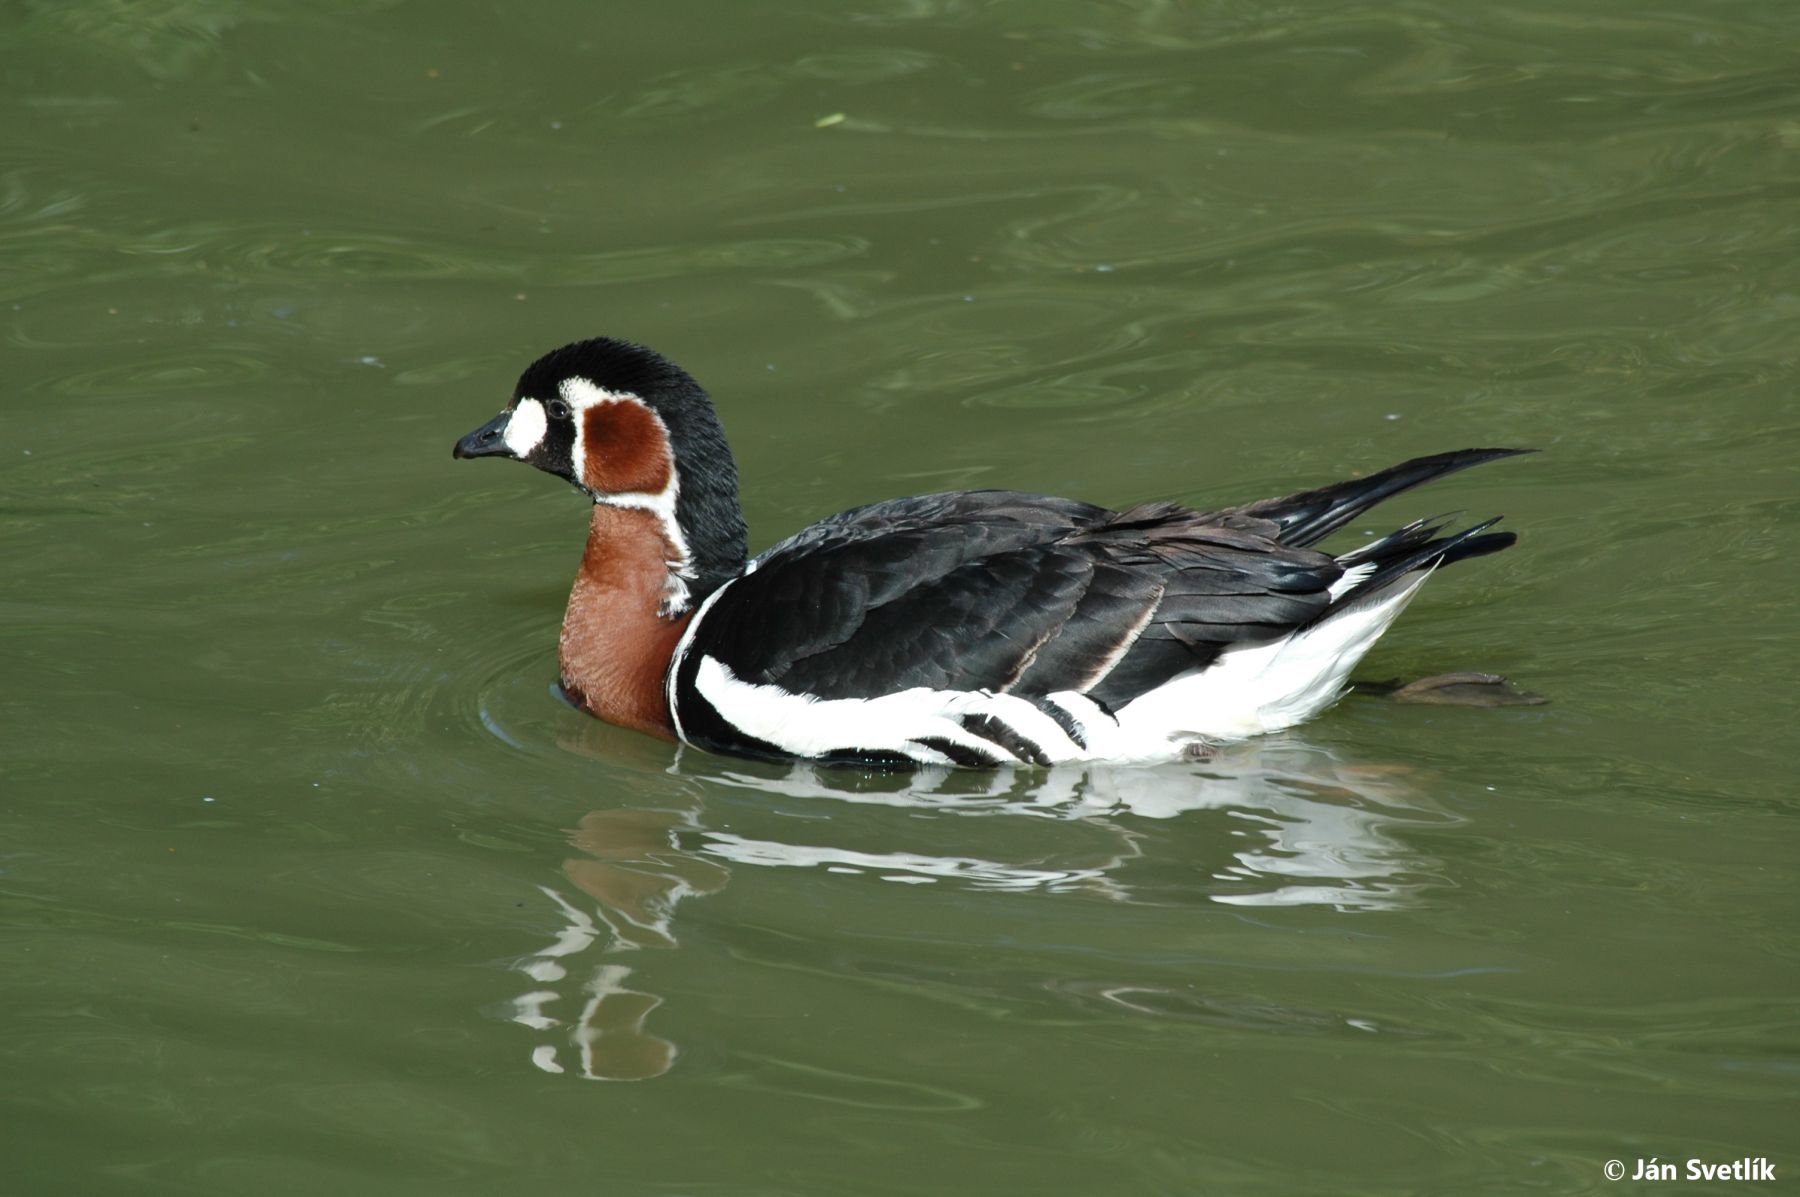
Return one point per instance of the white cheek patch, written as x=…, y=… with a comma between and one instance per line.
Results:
x=525, y=431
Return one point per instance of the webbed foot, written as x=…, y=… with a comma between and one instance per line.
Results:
x=1457, y=689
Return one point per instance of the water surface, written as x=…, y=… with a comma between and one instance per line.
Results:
x=311, y=884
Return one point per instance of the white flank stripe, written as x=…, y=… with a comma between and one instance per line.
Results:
x=680, y=654
x=809, y=726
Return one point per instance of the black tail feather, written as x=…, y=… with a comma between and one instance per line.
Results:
x=1412, y=548
x=1480, y=546
x=1312, y=515
x=1416, y=533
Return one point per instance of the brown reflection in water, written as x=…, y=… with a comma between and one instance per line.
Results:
x=636, y=871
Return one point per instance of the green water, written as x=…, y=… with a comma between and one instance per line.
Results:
x=309, y=884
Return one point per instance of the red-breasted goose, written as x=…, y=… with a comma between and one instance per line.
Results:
x=969, y=628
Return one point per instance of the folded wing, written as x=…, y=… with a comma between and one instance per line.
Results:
x=1009, y=593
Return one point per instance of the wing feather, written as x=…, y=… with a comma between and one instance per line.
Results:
x=994, y=590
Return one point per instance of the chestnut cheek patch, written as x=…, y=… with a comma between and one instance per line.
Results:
x=626, y=450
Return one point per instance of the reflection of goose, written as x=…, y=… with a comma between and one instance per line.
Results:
x=1307, y=826
x=1300, y=826
x=972, y=628
x=636, y=871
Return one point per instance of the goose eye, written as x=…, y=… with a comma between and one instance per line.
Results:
x=558, y=409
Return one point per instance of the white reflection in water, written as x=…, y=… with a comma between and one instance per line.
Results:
x=1306, y=827
x=1313, y=828
x=908, y=867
